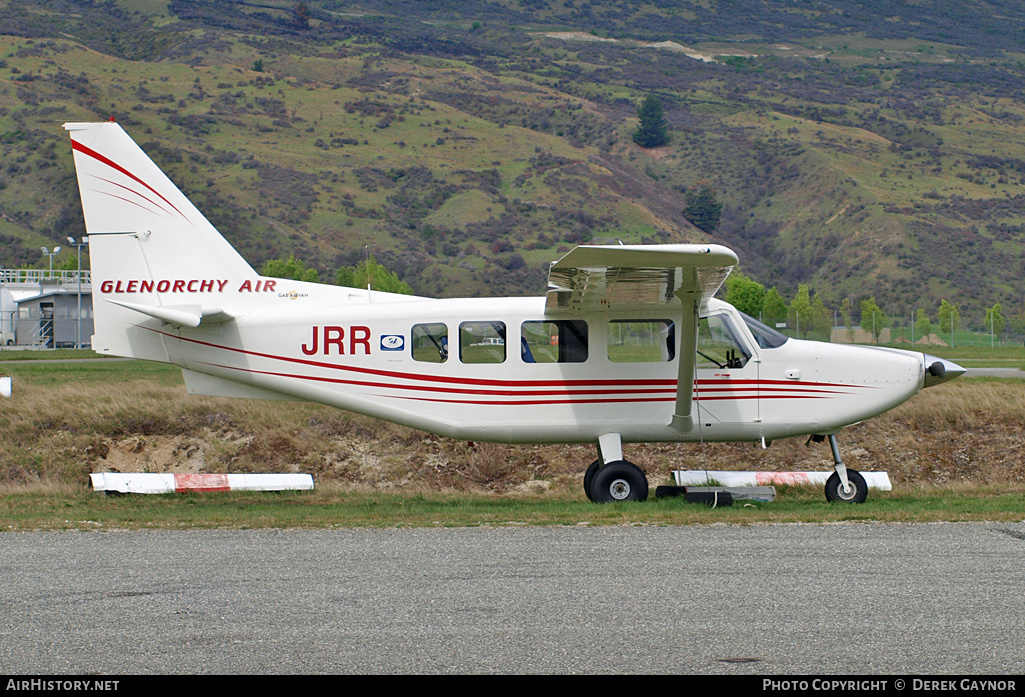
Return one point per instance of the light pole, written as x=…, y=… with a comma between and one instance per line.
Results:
x=84, y=242
x=47, y=252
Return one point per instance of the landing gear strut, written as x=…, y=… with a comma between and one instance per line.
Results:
x=611, y=478
x=844, y=485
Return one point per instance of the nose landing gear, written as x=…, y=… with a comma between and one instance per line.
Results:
x=844, y=485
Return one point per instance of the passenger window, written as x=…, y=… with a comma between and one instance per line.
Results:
x=641, y=341
x=558, y=341
x=482, y=342
x=718, y=345
x=430, y=342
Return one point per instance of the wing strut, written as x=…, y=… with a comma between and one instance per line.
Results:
x=690, y=296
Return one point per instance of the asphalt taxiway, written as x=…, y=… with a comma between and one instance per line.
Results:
x=773, y=599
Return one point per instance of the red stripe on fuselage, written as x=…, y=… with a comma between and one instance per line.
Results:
x=452, y=390
x=601, y=398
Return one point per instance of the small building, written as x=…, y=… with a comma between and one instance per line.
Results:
x=40, y=308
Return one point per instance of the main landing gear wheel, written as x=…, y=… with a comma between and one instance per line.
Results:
x=857, y=493
x=589, y=477
x=617, y=481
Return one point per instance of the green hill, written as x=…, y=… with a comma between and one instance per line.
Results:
x=863, y=151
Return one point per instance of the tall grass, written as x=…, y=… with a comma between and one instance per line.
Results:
x=67, y=420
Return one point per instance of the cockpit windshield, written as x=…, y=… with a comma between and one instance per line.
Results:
x=766, y=336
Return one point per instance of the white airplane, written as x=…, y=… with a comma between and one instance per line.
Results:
x=628, y=345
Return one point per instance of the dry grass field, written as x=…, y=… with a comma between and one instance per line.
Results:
x=67, y=420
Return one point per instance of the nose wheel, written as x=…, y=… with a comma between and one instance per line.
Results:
x=855, y=492
x=844, y=485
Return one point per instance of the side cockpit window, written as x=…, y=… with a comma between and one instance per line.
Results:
x=719, y=345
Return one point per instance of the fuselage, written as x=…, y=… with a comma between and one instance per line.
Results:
x=509, y=370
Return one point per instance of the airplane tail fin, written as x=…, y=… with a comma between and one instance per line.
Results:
x=156, y=262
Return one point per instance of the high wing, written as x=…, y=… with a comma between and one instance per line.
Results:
x=676, y=277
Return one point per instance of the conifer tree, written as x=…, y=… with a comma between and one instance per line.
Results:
x=846, y=308
x=703, y=209
x=653, y=130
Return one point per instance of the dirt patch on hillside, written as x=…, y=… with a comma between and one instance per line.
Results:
x=658, y=45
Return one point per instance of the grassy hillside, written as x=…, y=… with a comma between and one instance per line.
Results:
x=866, y=153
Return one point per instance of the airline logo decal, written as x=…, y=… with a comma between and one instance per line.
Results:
x=393, y=342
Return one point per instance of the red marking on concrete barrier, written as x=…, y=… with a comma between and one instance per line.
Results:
x=789, y=478
x=201, y=482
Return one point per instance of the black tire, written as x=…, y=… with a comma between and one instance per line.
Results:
x=619, y=481
x=589, y=477
x=835, y=492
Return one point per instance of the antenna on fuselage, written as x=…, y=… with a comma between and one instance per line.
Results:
x=366, y=248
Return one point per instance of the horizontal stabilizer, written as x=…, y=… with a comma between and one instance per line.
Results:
x=179, y=315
